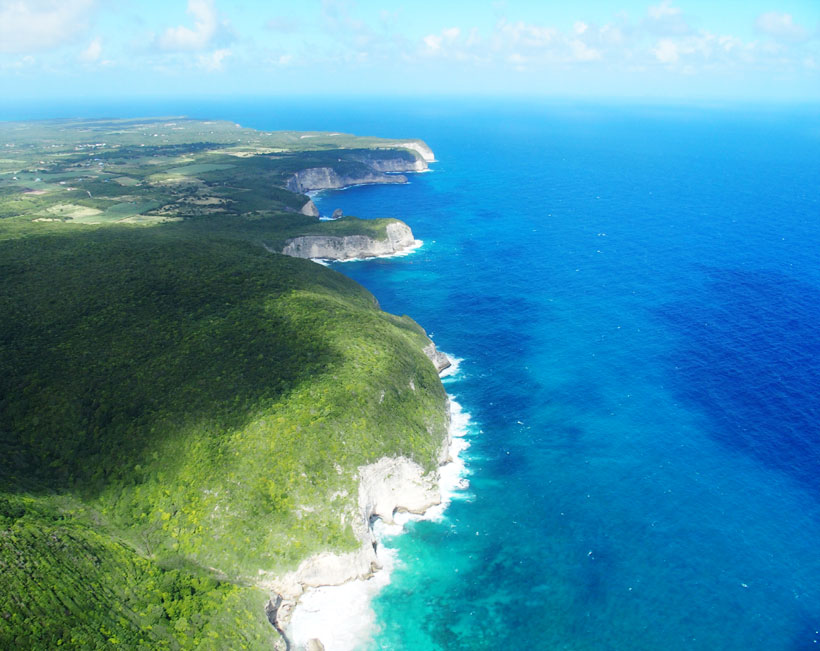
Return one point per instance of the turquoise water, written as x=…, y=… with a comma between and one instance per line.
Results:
x=636, y=296
x=635, y=293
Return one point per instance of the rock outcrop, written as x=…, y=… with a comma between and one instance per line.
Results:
x=385, y=487
x=327, y=178
x=398, y=238
x=337, y=214
x=439, y=359
x=310, y=209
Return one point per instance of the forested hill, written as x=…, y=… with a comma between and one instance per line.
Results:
x=179, y=410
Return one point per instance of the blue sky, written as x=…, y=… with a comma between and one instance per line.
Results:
x=661, y=49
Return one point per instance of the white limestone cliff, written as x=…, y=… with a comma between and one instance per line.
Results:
x=326, y=178
x=398, y=238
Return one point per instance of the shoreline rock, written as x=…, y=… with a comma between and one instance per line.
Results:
x=439, y=359
x=310, y=209
x=399, y=238
x=386, y=487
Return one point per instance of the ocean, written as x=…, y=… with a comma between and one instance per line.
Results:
x=634, y=294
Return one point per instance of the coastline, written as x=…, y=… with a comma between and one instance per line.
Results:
x=339, y=615
x=332, y=610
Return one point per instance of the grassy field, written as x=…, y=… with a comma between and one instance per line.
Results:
x=181, y=410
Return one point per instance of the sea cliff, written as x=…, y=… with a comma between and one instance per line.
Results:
x=389, y=486
x=327, y=178
x=363, y=167
x=421, y=148
x=398, y=239
x=385, y=487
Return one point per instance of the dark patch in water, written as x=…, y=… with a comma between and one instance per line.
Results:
x=750, y=360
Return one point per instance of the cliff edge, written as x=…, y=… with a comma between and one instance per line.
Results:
x=328, y=178
x=363, y=167
x=398, y=239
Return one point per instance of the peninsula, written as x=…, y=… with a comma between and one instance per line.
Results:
x=194, y=428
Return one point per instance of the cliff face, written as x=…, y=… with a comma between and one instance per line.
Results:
x=439, y=359
x=361, y=166
x=397, y=165
x=421, y=148
x=385, y=487
x=326, y=178
x=393, y=160
x=398, y=238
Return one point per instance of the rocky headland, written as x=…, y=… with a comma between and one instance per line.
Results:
x=386, y=487
x=327, y=178
x=363, y=167
x=398, y=239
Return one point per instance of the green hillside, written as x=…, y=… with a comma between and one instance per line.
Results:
x=181, y=410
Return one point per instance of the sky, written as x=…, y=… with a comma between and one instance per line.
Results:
x=749, y=50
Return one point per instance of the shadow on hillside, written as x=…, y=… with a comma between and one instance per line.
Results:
x=112, y=341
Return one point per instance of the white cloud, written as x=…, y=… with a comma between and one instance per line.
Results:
x=18, y=64
x=37, y=25
x=582, y=52
x=433, y=42
x=781, y=27
x=526, y=35
x=663, y=10
x=213, y=62
x=666, y=51
x=92, y=52
x=730, y=43
x=666, y=20
x=451, y=33
x=355, y=39
x=692, y=54
x=207, y=28
x=664, y=39
x=611, y=35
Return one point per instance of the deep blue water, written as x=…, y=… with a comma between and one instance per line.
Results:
x=636, y=296
x=635, y=292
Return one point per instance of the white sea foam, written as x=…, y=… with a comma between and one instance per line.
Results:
x=451, y=372
x=341, y=616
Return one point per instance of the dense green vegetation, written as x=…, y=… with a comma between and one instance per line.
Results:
x=182, y=413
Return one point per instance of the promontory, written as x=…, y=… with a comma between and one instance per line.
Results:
x=191, y=423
